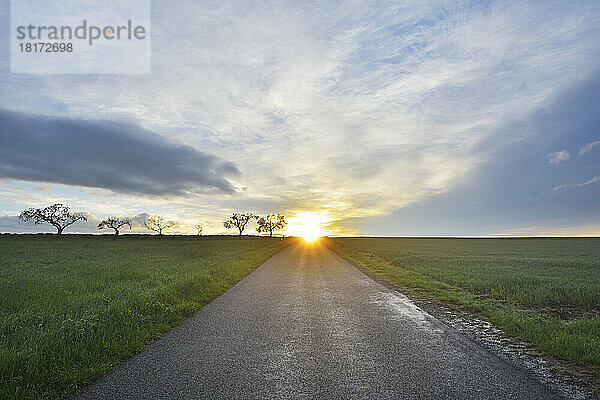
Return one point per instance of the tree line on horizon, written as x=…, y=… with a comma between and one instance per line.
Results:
x=60, y=216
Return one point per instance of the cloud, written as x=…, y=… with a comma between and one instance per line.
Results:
x=588, y=147
x=595, y=179
x=583, y=230
x=348, y=108
x=558, y=157
x=103, y=154
x=514, y=189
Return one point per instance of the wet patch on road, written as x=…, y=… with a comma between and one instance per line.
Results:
x=402, y=307
x=552, y=373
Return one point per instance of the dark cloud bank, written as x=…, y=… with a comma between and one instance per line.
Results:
x=103, y=154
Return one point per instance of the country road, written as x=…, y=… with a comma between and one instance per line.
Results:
x=308, y=325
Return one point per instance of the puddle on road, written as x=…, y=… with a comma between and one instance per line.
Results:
x=517, y=353
x=402, y=307
x=428, y=315
x=425, y=314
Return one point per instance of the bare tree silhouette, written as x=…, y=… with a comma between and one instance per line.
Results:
x=238, y=221
x=58, y=215
x=115, y=222
x=158, y=223
x=270, y=223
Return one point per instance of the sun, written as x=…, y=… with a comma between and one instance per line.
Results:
x=307, y=225
x=311, y=236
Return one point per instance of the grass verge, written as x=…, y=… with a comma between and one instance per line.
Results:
x=73, y=307
x=545, y=291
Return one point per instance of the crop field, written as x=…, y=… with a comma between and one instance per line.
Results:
x=73, y=307
x=545, y=291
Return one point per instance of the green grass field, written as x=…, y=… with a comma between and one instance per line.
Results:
x=545, y=291
x=72, y=307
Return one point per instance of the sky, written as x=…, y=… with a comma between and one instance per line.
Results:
x=391, y=118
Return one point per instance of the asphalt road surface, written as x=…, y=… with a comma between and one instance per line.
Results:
x=308, y=325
